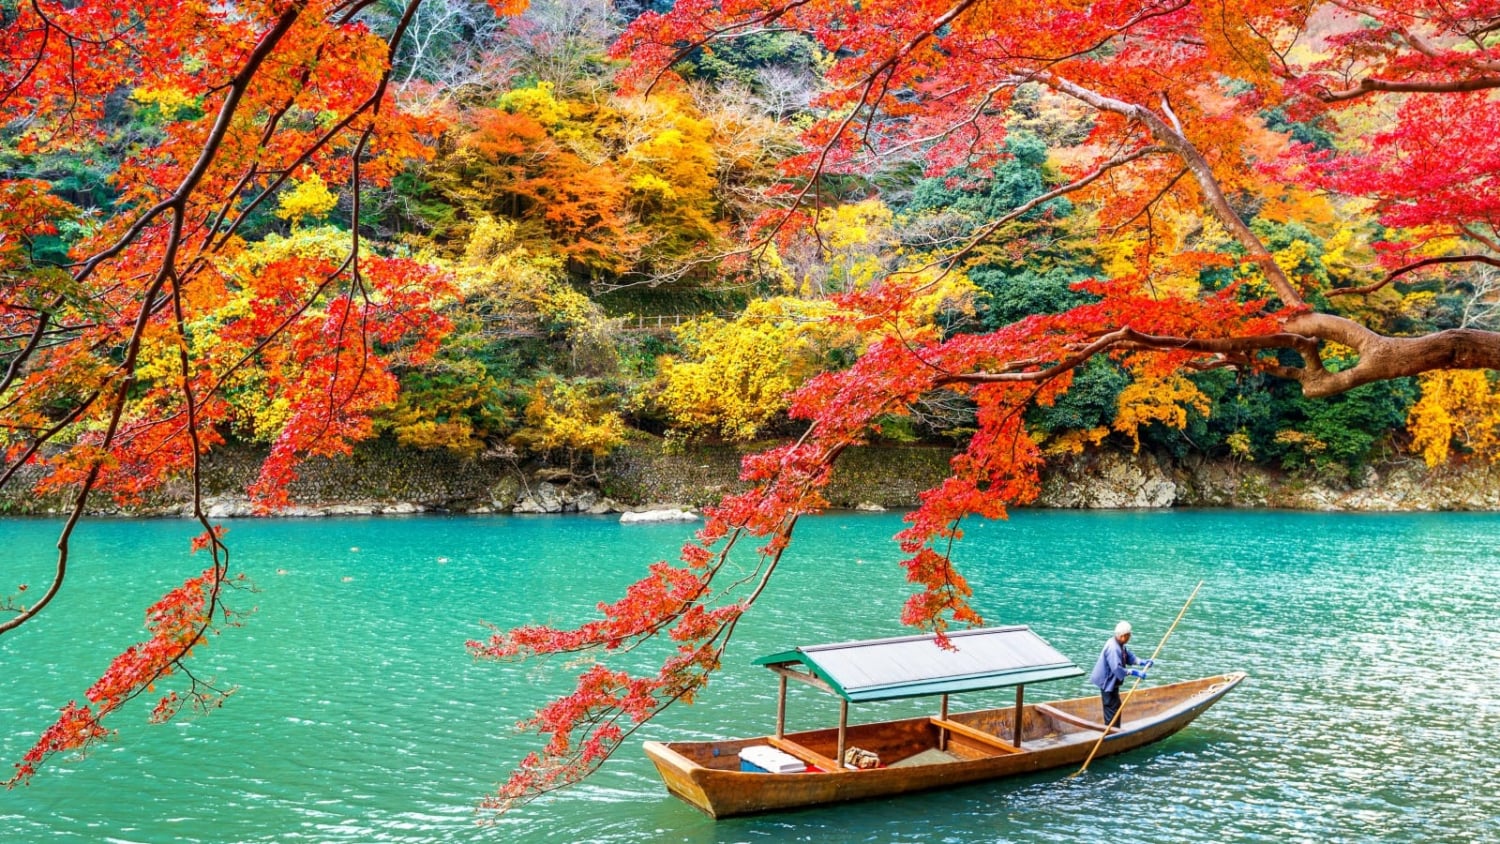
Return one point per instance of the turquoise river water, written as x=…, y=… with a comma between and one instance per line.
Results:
x=1371, y=712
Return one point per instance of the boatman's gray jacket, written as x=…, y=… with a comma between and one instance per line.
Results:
x=1109, y=671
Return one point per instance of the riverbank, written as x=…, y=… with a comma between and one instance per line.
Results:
x=382, y=477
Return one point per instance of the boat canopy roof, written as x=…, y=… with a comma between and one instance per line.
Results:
x=914, y=666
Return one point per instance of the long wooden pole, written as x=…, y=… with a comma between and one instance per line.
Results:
x=1159, y=646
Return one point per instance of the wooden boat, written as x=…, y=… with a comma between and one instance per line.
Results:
x=918, y=754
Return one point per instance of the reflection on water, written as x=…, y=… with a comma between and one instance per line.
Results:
x=1370, y=712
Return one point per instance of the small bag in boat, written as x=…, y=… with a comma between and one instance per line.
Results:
x=858, y=757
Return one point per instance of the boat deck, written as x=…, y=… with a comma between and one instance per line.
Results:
x=964, y=736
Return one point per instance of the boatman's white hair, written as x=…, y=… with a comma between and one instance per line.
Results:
x=1122, y=628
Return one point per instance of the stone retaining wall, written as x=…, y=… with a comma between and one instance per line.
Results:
x=888, y=476
x=381, y=477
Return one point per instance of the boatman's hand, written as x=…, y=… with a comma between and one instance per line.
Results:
x=1147, y=663
x=1136, y=672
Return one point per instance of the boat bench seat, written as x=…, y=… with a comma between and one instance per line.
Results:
x=806, y=754
x=973, y=734
x=1068, y=717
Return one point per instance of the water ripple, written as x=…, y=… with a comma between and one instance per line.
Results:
x=1369, y=714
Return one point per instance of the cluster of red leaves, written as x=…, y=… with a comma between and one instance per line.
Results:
x=283, y=89
x=584, y=728
x=31, y=211
x=117, y=367
x=1411, y=187
x=665, y=593
x=1428, y=70
x=179, y=622
x=326, y=368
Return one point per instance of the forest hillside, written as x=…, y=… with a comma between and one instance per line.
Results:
x=620, y=267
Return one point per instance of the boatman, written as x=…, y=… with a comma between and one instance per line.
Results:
x=1113, y=668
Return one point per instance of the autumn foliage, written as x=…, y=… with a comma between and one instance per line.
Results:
x=1172, y=94
x=1262, y=188
x=185, y=618
x=119, y=362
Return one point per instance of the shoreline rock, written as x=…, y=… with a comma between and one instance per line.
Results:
x=1114, y=480
x=668, y=514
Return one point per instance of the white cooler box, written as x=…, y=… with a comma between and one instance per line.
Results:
x=764, y=759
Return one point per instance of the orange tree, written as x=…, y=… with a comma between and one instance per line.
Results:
x=1171, y=94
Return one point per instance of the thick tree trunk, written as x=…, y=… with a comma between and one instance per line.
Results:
x=1382, y=358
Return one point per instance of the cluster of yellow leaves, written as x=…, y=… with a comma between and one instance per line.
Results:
x=494, y=260
x=671, y=167
x=1457, y=408
x=433, y=435
x=857, y=238
x=1166, y=400
x=1075, y=442
x=326, y=242
x=500, y=274
x=169, y=101
x=1239, y=445
x=1338, y=259
x=1342, y=266
x=538, y=102
x=1418, y=303
x=570, y=419
x=443, y=415
x=309, y=197
x=1301, y=441
x=1294, y=258
x=736, y=373
x=857, y=248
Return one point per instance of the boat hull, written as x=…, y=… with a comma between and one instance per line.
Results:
x=1055, y=734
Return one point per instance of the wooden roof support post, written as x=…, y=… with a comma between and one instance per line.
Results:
x=843, y=728
x=1020, y=719
x=781, y=710
x=942, y=733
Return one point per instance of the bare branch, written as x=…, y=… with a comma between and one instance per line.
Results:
x=1416, y=265
x=1415, y=86
x=1208, y=183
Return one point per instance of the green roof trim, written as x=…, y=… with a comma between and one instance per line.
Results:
x=914, y=666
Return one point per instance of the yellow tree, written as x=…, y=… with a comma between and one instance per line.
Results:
x=734, y=375
x=1458, y=408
